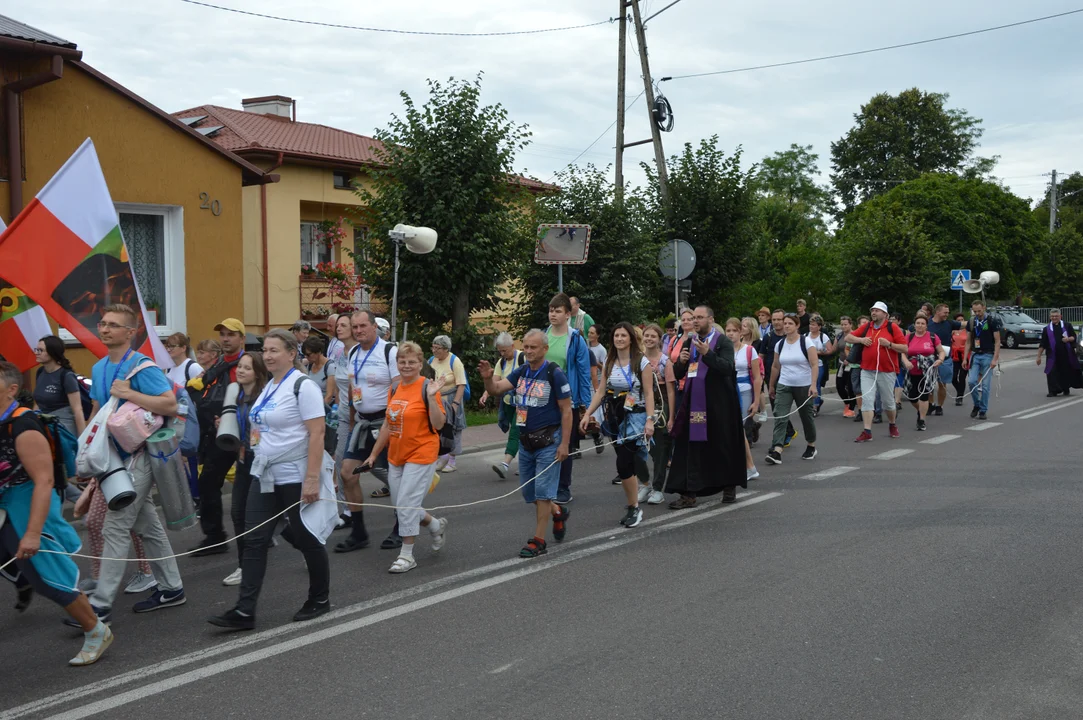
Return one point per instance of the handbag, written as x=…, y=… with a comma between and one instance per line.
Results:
x=540, y=439
x=92, y=457
x=131, y=425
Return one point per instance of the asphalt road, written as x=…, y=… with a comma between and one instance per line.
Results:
x=939, y=581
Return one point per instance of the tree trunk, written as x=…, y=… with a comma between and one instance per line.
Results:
x=460, y=313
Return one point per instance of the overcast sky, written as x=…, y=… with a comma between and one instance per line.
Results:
x=1022, y=82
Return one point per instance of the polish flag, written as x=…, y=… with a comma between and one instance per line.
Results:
x=66, y=253
x=22, y=324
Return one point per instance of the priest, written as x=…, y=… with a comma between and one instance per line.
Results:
x=709, y=451
x=1061, y=364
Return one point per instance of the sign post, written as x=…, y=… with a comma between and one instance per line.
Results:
x=677, y=261
x=560, y=245
x=958, y=277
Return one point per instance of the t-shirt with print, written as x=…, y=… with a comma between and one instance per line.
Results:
x=503, y=368
x=983, y=330
x=558, y=348
x=535, y=399
x=741, y=359
x=922, y=352
x=278, y=422
x=411, y=441
x=619, y=376
x=371, y=372
x=881, y=359
x=51, y=390
x=452, y=368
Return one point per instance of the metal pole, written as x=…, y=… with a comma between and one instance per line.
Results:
x=648, y=89
x=395, y=297
x=960, y=301
x=405, y=330
x=622, y=50
x=1053, y=204
x=560, y=278
x=676, y=283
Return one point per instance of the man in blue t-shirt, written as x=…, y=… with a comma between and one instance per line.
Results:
x=543, y=412
x=149, y=389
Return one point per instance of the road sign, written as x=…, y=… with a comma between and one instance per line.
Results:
x=958, y=277
x=685, y=261
x=562, y=244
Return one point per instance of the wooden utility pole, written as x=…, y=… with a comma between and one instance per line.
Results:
x=648, y=89
x=622, y=51
x=1053, y=204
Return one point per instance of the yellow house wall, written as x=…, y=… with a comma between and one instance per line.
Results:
x=145, y=160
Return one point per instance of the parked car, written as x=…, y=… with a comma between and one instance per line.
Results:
x=1019, y=328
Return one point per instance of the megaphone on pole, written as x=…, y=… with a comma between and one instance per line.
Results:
x=989, y=278
x=972, y=286
x=419, y=240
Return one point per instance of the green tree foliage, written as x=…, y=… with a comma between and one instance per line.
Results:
x=901, y=137
x=619, y=280
x=790, y=176
x=711, y=202
x=1069, y=203
x=448, y=166
x=1055, y=276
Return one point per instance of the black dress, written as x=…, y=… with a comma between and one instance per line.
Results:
x=707, y=468
x=1064, y=373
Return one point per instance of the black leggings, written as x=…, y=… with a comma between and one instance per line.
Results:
x=242, y=482
x=958, y=378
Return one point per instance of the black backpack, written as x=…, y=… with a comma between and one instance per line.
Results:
x=212, y=397
x=804, y=347
x=60, y=441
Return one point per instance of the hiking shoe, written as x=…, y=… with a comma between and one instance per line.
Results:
x=501, y=469
x=865, y=436
x=233, y=620
x=104, y=614
x=981, y=416
x=810, y=452
x=683, y=503
x=974, y=412
x=921, y=425
x=533, y=548
x=789, y=439
x=774, y=458
x=234, y=578
x=598, y=447
x=656, y=498
x=439, y=537
x=893, y=430
x=312, y=610
x=938, y=411
x=564, y=496
x=140, y=582
x=644, y=493
x=877, y=418
x=560, y=524
x=633, y=517
x=160, y=599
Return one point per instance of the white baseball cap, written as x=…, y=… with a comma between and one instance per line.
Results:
x=880, y=305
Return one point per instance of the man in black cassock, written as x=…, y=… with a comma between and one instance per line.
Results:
x=709, y=450
x=1061, y=365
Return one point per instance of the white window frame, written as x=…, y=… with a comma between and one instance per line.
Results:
x=312, y=261
x=173, y=235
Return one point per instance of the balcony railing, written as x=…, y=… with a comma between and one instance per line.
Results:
x=316, y=300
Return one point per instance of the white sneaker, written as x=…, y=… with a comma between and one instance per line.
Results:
x=501, y=469
x=644, y=493
x=234, y=578
x=655, y=498
x=439, y=536
x=140, y=583
x=751, y=473
x=441, y=463
x=87, y=585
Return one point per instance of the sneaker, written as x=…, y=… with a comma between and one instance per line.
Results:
x=974, y=412
x=87, y=585
x=644, y=493
x=442, y=462
x=577, y=454
x=938, y=411
x=774, y=458
x=816, y=411
x=402, y=564
x=500, y=468
x=234, y=578
x=865, y=436
x=533, y=548
x=656, y=498
x=617, y=480
x=449, y=467
x=564, y=496
x=893, y=430
x=981, y=416
x=210, y=546
x=233, y=620
x=847, y=413
x=751, y=473
x=160, y=599
x=598, y=447
x=140, y=582
x=23, y=597
x=312, y=610
x=95, y=643
x=921, y=425
x=857, y=417
x=958, y=402
x=633, y=517
x=877, y=418
x=104, y=614
x=439, y=537
x=560, y=524
x=810, y=453
x=789, y=439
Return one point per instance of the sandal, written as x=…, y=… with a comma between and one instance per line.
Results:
x=402, y=564
x=533, y=548
x=391, y=542
x=682, y=503
x=559, y=527
x=381, y=493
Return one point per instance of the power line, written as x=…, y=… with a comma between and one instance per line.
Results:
x=875, y=50
x=667, y=7
x=390, y=30
x=597, y=139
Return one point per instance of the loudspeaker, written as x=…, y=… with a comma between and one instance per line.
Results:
x=972, y=286
x=229, y=434
x=989, y=278
x=418, y=240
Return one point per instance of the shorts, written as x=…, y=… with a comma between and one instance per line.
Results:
x=360, y=443
x=946, y=369
x=540, y=463
x=900, y=379
x=882, y=382
x=915, y=385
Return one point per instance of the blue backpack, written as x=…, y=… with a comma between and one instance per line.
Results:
x=189, y=443
x=466, y=393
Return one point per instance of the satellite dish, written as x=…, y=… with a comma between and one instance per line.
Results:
x=419, y=240
x=989, y=278
x=685, y=260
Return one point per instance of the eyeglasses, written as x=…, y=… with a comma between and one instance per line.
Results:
x=113, y=326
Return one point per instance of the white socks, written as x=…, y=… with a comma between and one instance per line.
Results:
x=407, y=550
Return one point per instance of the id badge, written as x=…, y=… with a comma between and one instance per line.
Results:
x=629, y=401
x=255, y=437
x=693, y=368
x=355, y=394
x=977, y=343
x=520, y=416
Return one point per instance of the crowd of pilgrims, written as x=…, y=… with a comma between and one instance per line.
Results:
x=680, y=406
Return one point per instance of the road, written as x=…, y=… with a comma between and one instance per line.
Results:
x=933, y=576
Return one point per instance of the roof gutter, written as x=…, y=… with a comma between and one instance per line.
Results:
x=263, y=232
x=11, y=93
x=39, y=48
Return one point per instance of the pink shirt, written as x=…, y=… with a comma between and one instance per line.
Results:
x=928, y=344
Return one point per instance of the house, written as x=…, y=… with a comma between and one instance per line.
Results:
x=179, y=196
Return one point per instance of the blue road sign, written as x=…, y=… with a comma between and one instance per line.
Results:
x=958, y=277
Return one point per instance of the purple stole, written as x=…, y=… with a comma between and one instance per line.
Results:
x=1055, y=346
x=696, y=389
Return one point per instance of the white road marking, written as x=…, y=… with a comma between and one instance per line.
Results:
x=337, y=631
x=1051, y=409
x=1044, y=406
x=892, y=454
x=504, y=668
x=829, y=473
x=248, y=639
x=984, y=426
x=940, y=439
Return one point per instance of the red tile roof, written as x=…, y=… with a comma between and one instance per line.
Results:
x=247, y=133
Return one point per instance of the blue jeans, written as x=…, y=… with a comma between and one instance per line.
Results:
x=979, y=368
x=531, y=462
x=946, y=370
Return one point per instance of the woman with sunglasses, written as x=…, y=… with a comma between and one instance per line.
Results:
x=185, y=368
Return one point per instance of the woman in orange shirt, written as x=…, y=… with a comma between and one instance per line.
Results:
x=958, y=352
x=410, y=433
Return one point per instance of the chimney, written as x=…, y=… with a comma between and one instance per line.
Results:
x=277, y=105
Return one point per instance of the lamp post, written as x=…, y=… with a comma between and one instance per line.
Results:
x=418, y=240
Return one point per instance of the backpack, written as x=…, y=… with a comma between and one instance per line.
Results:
x=62, y=445
x=804, y=348
x=212, y=397
x=466, y=393
x=447, y=432
x=189, y=441
x=84, y=390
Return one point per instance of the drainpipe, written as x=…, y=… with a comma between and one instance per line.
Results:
x=15, y=144
x=263, y=232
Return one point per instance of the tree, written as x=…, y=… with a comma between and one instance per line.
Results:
x=1069, y=203
x=446, y=165
x=1055, y=276
x=619, y=280
x=790, y=175
x=899, y=138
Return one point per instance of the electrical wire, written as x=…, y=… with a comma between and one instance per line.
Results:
x=875, y=50
x=391, y=30
x=597, y=139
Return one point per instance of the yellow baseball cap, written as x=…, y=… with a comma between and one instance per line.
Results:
x=232, y=324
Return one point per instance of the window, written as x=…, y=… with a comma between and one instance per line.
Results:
x=313, y=252
x=343, y=180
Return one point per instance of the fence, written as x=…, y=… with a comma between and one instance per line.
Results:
x=1073, y=315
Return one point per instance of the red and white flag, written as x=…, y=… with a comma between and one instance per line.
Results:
x=66, y=253
x=22, y=324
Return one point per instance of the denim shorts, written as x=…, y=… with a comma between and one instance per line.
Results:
x=946, y=370
x=541, y=461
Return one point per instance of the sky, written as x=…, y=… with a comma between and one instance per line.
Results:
x=1022, y=82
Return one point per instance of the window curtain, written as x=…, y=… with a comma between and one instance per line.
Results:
x=144, y=236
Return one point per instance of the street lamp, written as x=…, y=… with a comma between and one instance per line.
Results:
x=418, y=240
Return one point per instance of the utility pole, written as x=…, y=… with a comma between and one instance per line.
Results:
x=622, y=52
x=648, y=89
x=1053, y=204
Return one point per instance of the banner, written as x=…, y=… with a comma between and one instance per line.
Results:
x=22, y=324
x=66, y=253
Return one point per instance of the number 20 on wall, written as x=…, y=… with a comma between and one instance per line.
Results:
x=205, y=203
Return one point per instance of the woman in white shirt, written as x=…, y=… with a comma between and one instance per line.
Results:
x=749, y=379
x=286, y=437
x=179, y=348
x=792, y=377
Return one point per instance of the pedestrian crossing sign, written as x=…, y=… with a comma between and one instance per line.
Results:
x=958, y=277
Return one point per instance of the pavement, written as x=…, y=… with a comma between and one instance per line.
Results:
x=932, y=576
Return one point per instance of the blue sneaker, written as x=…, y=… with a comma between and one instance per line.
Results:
x=104, y=614
x=564, y=496
x=160, y=599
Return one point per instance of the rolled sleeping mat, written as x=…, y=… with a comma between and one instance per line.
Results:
x=167, y=466
x=116, y=483
x=229, y=433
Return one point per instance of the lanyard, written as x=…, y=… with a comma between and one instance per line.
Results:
x=116, y=371
x=242, y=418
x=528, y=382
x=627, y=375
x=358, y=368
x=269, y=395
x=9, y=411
